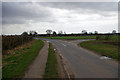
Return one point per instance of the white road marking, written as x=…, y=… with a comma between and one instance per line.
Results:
x=63, y=44
x=105, y=57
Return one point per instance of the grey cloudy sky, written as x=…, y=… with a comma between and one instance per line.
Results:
x=71, y=17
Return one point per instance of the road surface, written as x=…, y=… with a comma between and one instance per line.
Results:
x=85, y=64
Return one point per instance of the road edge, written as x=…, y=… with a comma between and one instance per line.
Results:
x=63, y=68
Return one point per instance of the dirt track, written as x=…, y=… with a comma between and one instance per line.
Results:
x=37, y=67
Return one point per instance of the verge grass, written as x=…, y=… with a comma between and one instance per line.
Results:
x=16, y=64
x=102, y=48
x=51, y=70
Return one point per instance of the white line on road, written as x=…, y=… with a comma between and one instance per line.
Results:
x=63, y=44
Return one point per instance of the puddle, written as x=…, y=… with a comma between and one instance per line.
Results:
x=54, y=49
x=48, y=41
x=105, y=57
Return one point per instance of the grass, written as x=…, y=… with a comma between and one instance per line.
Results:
x=111, y=38
x=51, y=70
x=16, y=64
x=72, y=37
x=101, y=48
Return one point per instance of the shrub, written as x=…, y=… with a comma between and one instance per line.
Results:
x=10, y=42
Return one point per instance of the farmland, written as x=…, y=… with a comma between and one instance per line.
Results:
x=101, y=37
x=71, y=37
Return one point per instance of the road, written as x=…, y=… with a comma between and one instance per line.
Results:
x=85, y=64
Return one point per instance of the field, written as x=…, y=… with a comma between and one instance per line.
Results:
x=114, y=38
x=105, y=48
x=101, y=37
x=16, y=63
x=71, y=37
x=51, y=65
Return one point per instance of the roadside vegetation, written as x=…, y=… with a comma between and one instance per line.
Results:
x=72, y=37
x=16, y=63
x=51, y=70
x=113, y=38
x=10, y=42
x=104, y=45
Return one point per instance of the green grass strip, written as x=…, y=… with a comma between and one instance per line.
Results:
x=18, y=63
x=102, y=48
x=51, y=70
x=72, y=37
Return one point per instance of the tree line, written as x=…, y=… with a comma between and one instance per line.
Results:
x=83, y=32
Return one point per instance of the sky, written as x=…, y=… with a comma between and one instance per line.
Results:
x=70, y=17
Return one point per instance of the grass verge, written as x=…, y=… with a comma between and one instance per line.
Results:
x=51, y=70
x=16, y=64
x=101, y=48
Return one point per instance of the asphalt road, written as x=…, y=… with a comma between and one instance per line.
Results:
x=85, y=64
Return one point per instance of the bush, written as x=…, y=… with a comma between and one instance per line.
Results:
x=10, y=42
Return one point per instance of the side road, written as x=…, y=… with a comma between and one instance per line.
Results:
x=37, y=67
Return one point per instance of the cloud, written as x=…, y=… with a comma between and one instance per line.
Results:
x=102, y=6
x=22, y=12
x=85, y=7
x=58, y=15
x=17, y=13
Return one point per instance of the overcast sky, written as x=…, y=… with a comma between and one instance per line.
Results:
x=71, y=17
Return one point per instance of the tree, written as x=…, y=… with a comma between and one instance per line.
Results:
x=32, y=33
x=64, y=32
x=49, y=31
x=54, y=33
x=84, y=31
x=35, y=34
x=90, y=33
x=60, y=32
x=24, y=34
x=96, y=32
x=114, y=31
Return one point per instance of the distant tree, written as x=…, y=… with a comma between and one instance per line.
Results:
x=54, y=33
x=90, y=33
x=95, y=32
x=24, y=34
x=84, y=31
x=114, y=31
x=48, y=31
x=35, y=34
x=60, y=32
x=32, y=33
x=64, y=32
